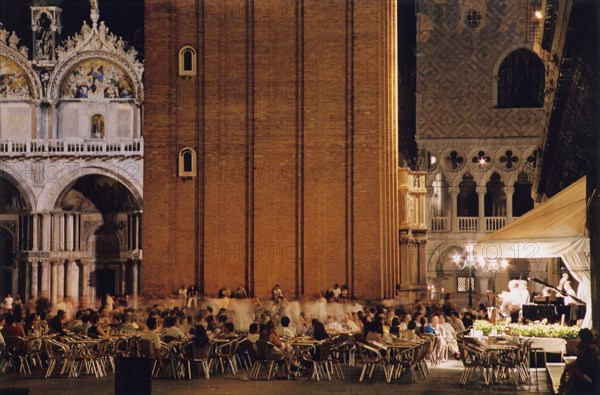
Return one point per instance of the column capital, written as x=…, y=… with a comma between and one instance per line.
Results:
x=509, y=190
x=454, y=190
x=481, y=190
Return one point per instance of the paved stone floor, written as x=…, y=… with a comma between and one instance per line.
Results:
x=442, y=380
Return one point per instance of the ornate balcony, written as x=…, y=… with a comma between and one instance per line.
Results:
x=494, y=223
x=71, y=147
x=440, y=224
x=468, y=224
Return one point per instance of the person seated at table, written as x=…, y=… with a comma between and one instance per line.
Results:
x=171, y=330
x=416, y=318
x=425, y=328
x=29, y=325
x=406, y=318
x=75, y=322
x=580, y=376
x=153, y=336
x=350, y=323
x=284, y=329
x=467, y=320
x=12, y=327
x=395, y=326
x=210, y=324
x=95, y=330
x=253, y=333
x=227, y=331
x=116, y=326
x=56, y=323
x=319, y=331
x=456, y=322
x=441, y=347
x=449, y=334
x=200, y=338
x=332, y=325
x=129, y=326
x=85, y=324
x=374, y=331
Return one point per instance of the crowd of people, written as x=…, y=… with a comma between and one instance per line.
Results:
x=194, y=317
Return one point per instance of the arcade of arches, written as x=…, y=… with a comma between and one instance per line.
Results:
x=88, y=245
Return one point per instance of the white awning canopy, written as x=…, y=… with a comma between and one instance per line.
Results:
x=552, y=229
x=555, y=228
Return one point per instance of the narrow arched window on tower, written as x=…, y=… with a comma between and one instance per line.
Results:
x=521, y=79
x=187, y=61
x=187, y=162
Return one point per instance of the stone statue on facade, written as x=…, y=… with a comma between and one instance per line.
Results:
x=94, y=12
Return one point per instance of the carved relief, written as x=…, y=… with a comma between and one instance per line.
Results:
x=97, y=79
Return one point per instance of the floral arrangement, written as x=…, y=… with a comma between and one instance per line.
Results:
x=529, y=330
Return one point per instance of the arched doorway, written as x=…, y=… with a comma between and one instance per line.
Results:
x=15, y=235
x=103, y=247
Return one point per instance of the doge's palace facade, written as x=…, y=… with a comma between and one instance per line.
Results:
x=71, y=168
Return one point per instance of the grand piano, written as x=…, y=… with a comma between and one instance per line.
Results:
x=553, y=308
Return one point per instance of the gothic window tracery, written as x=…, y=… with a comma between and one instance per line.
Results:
x=481, y=158
x=509, y=159
x=454, y=161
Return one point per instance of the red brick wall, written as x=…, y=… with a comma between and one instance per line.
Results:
x=291, y=120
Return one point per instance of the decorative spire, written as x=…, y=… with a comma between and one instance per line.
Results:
x=94, y=13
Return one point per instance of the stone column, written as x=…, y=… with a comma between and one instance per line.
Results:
x=53, y=118
x=481, y=194
x=46, y=232
x=15, y=278
x=123, y=277
x=45, y=283
x=421, y=250
x=454, y=214
x=134, y=279
x=136, y=237
x=69, y=232
x=25, y=280
x=35, y=235
x=72, y=288
x=429, y=214
x=34, y=278
x=54, y=282
x=55, y=231
x=509, y=191
x=60, y=280
x=61, y=232
x=77, y=231
x=84, y=289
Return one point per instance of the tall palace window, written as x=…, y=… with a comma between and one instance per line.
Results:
x=521, y=80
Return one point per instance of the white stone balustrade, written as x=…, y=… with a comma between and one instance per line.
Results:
x=72, y=147
x=494, y=223
x=468, y=224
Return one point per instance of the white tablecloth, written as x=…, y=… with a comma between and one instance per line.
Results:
x=550, y=344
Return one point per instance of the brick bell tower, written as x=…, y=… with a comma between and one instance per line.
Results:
x=271, y=146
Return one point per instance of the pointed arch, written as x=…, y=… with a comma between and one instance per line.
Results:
x=520, y=80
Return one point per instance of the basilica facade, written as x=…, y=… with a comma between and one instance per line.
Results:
x=71, y=170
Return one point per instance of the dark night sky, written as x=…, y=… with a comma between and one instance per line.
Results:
x=125, y=18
